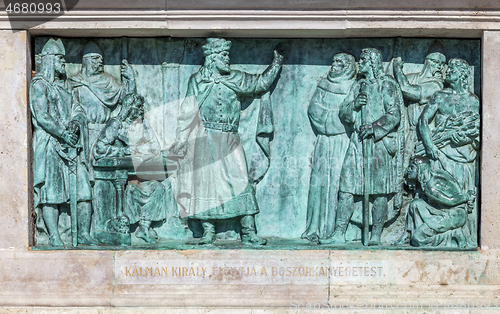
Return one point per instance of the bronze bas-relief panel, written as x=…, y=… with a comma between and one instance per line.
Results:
x=162, y=143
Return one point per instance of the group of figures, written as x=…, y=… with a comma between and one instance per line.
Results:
x=73, y=128
x=388, y=128
x=387, y=142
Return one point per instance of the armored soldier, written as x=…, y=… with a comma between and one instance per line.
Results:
x=57, y=127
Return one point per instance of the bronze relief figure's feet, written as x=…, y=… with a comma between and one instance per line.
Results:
x=374, y=240
x=153, y=234
x=335, y=238
x=56, y=241
x=207, y=238
x=248, y=231
x=253, y=239
x=311, y=237
x=144, y=234
x=86, y=239
x=208, y=233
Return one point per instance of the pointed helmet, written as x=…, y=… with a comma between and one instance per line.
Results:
x=437, y=49
x=92, y=47
x=53, y=47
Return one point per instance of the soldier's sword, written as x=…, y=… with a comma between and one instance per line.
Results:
x=73, y=192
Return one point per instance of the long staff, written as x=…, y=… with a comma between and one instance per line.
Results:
x=367, y=149
x=73, y=192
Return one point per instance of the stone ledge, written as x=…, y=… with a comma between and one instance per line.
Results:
x=234, y=310
x=331, y=5
x=277, y=23
x=97, y=278
x=476, y=5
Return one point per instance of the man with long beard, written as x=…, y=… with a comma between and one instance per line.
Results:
x=100, y=96
x=373, y=108
x=417, y=89
x=213, y=178
x=331, y=146
x=98, y=92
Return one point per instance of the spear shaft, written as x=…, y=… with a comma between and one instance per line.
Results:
x=367, y=150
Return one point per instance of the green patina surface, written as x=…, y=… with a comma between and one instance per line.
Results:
x=171, y=143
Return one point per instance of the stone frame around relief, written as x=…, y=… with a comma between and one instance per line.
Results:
x=437, y=277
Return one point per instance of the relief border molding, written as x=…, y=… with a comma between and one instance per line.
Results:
x=279, y=23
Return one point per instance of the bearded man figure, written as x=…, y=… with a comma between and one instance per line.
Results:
x=100, y=95
x=417, y=89
x=331, y=146
x=373, y=108
x=213, y=181
x=98, y=92
x=58, y=127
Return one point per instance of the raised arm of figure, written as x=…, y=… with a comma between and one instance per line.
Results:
x=411, y=92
